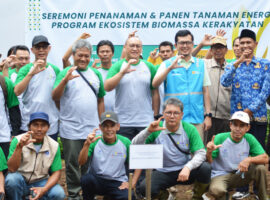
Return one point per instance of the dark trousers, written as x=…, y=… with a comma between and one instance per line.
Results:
x=130, y=132
x=93, y=185
x=162, y=180
x=258, y=129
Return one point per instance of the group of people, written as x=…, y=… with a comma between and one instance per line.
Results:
x=174, y=99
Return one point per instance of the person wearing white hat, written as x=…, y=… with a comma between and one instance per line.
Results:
x=237, y=158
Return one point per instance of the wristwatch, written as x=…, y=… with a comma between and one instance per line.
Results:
x=208, y=115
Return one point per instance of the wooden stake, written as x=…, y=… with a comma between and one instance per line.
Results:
x=148, y=184
x=130, y=186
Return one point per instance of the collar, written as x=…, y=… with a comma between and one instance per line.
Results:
x=214, y=64
x=191, y=60
x=179, y=131
x=255, y=60
x=44, y=148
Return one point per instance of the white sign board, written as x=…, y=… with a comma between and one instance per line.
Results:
x=146, y=156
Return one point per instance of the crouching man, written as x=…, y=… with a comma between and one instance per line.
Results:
x=108, y=153
x=180, y=139
x=31, y=156
x=237, y=158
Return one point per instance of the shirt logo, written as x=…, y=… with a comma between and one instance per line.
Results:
x=237, y=85
x=195, y=72
x=266, y=67
x=47, y=153
x=257, y=66
x=118, y=154
x=239, y=106
x=256, y=86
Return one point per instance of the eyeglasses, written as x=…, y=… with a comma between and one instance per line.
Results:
x=138, y=46
x=176, y=114
x=38, y=47
x=185, y=43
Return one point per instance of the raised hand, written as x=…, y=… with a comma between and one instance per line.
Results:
x=220, y=32
x=154, y=126
x=92, y=137
x=154, y=54
x=207, y=40
x=69, y=76
x=132, y=34
x=39, y=66
x=127, y=69
x=84, y=36
x=175, y=63
x=94, y=65
x=9, y=62
x=26, y=139
x=211, y=145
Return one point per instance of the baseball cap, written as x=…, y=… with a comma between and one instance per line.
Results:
x=39, y=115
x=219, y=40
x=40, y=39
x=109, y=115
x=248, y=33
x=242, y=116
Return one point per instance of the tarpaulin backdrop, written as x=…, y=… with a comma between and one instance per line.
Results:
x=63, y=21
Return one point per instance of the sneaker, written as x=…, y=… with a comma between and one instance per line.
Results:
x=240, y=195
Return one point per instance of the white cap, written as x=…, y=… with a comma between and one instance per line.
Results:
x=242, y=116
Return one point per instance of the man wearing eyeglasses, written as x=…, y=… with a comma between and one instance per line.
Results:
x=36, y=80
x=180, y=139
x=135, y=97
x=186, y=78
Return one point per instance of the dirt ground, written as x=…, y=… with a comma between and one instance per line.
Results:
x=183, y=192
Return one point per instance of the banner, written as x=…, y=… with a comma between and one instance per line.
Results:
x=64, y=21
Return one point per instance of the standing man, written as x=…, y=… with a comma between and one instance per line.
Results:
x=105, y=52
x=179, y=139
x=249, y=77
x=8, y=102
x=135, y=97
x=237, y=158
x=165, y=52
x=34, y=163
x=36, y=81
x=22, y=57
x=236, y=48
x=219, y=95
x=187, y=79
x=79, y=88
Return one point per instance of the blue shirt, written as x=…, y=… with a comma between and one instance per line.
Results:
x=250, y=86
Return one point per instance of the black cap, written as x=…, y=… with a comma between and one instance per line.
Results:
x=40, y=39
x=248, y=33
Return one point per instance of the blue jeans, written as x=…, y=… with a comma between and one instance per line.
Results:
x=17, y=188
